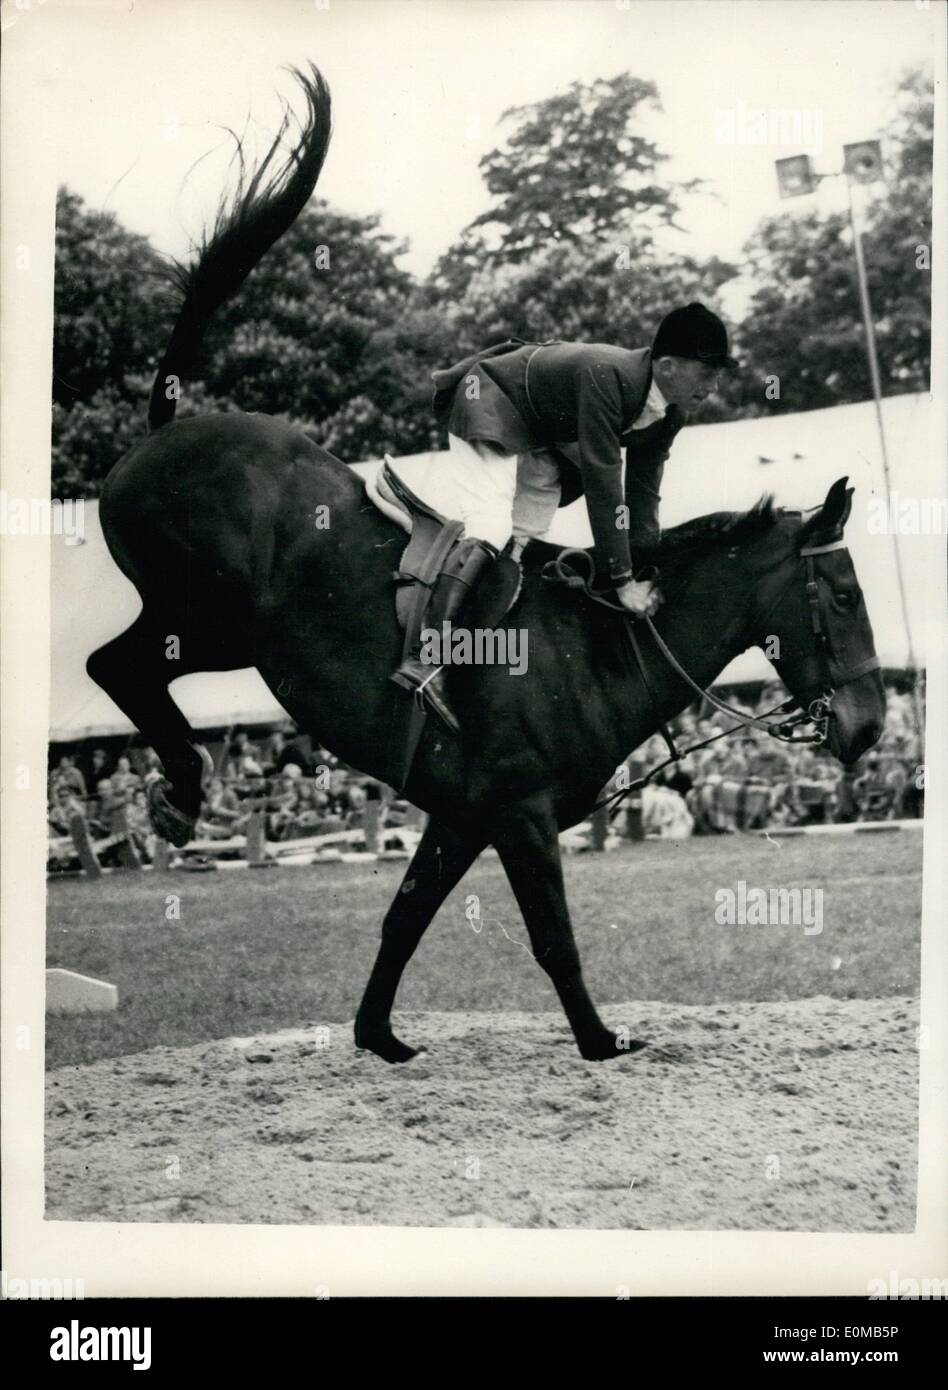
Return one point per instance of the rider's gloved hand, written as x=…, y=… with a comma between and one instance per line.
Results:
x=641, y=599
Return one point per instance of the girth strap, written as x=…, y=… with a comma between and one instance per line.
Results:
x=663, y=729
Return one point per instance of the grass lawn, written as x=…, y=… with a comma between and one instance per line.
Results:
x=262, y=951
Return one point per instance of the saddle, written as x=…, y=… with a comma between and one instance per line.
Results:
x=432, y=539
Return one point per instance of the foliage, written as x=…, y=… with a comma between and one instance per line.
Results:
x=108, y=303
x=330, y=331
x=575, y=169
x=804, y=323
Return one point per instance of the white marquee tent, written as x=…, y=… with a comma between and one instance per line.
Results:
x=713, y=468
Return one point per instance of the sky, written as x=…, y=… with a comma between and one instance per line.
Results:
x=145, y=88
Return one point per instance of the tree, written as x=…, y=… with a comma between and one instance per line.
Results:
x=296, y=337
x=616, y=293
x=575, y=172
x=94, y=434
x=575, y=169
x=327, y=332
x=108, y=303
x=109, y=319
x=569, y=250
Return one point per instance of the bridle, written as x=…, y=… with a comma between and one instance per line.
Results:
x=836, y=675
x=816, y=712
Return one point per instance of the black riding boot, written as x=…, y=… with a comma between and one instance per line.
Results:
x=453, y=588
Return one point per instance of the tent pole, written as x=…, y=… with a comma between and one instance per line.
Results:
x=866, y=307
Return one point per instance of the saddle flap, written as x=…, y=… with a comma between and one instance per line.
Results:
x=433, y=537
x=407, y=499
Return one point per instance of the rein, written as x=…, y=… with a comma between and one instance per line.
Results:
x=563, y=570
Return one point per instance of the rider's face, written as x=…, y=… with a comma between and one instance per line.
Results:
x=684, y=382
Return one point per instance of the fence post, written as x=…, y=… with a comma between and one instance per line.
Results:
x=127, y=853
x=79, y=830
x=255, y=850
x=372, y=814
x=600, y=827
x=634, y=826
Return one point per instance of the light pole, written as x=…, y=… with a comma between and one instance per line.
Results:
x=862, y=163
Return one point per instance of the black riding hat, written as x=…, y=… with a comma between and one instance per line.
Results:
x=696, y=333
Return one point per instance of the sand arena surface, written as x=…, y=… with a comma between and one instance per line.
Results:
x=781, y=1116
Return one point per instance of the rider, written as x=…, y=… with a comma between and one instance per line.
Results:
x=533, y=426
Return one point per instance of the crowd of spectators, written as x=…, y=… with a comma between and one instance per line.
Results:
x=750, y=781
x=747, y=781
x=299, y=790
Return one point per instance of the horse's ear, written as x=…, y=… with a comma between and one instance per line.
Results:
x=827, y=524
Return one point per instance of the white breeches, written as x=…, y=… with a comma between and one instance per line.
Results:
x=496, y=495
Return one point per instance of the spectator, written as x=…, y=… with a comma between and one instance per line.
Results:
x=67, y=774
x=97, y=766
x=124, y=780
x=99, y=808
x=249, y=783
x=664, y=813
x=285, y=748
x=241, y=749
x=222, y=816
x=148, y=765
x=310, y=815
x=139, y=824
x=64, y=805
x=355, y=812
x=874, y=791
x=282, y=805
x=332, y=820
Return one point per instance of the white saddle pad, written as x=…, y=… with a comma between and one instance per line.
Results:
x=415, y=471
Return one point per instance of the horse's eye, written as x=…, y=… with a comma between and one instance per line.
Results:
x=845, y=600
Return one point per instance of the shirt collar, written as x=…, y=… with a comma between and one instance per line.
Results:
x=653, y=409
x=655, y=400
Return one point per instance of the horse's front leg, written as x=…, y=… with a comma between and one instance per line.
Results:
x=526, y=838
x=440, y=862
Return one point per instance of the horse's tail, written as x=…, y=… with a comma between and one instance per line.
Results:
x=265, y=204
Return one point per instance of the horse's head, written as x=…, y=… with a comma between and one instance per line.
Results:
x=824, y=649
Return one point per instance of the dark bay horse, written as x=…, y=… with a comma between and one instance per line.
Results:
x=219, y=521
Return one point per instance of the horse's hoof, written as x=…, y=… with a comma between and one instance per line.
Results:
x=383, y=1042
x=610, y=1045
x=170, y=823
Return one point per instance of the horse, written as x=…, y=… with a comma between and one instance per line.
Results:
x=219, y=522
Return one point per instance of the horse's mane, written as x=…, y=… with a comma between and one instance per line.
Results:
x=683, y=544
x=693, y=538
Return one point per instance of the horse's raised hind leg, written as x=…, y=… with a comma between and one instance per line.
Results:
x=526, y=838
x=440, y=862
x=134, y=671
